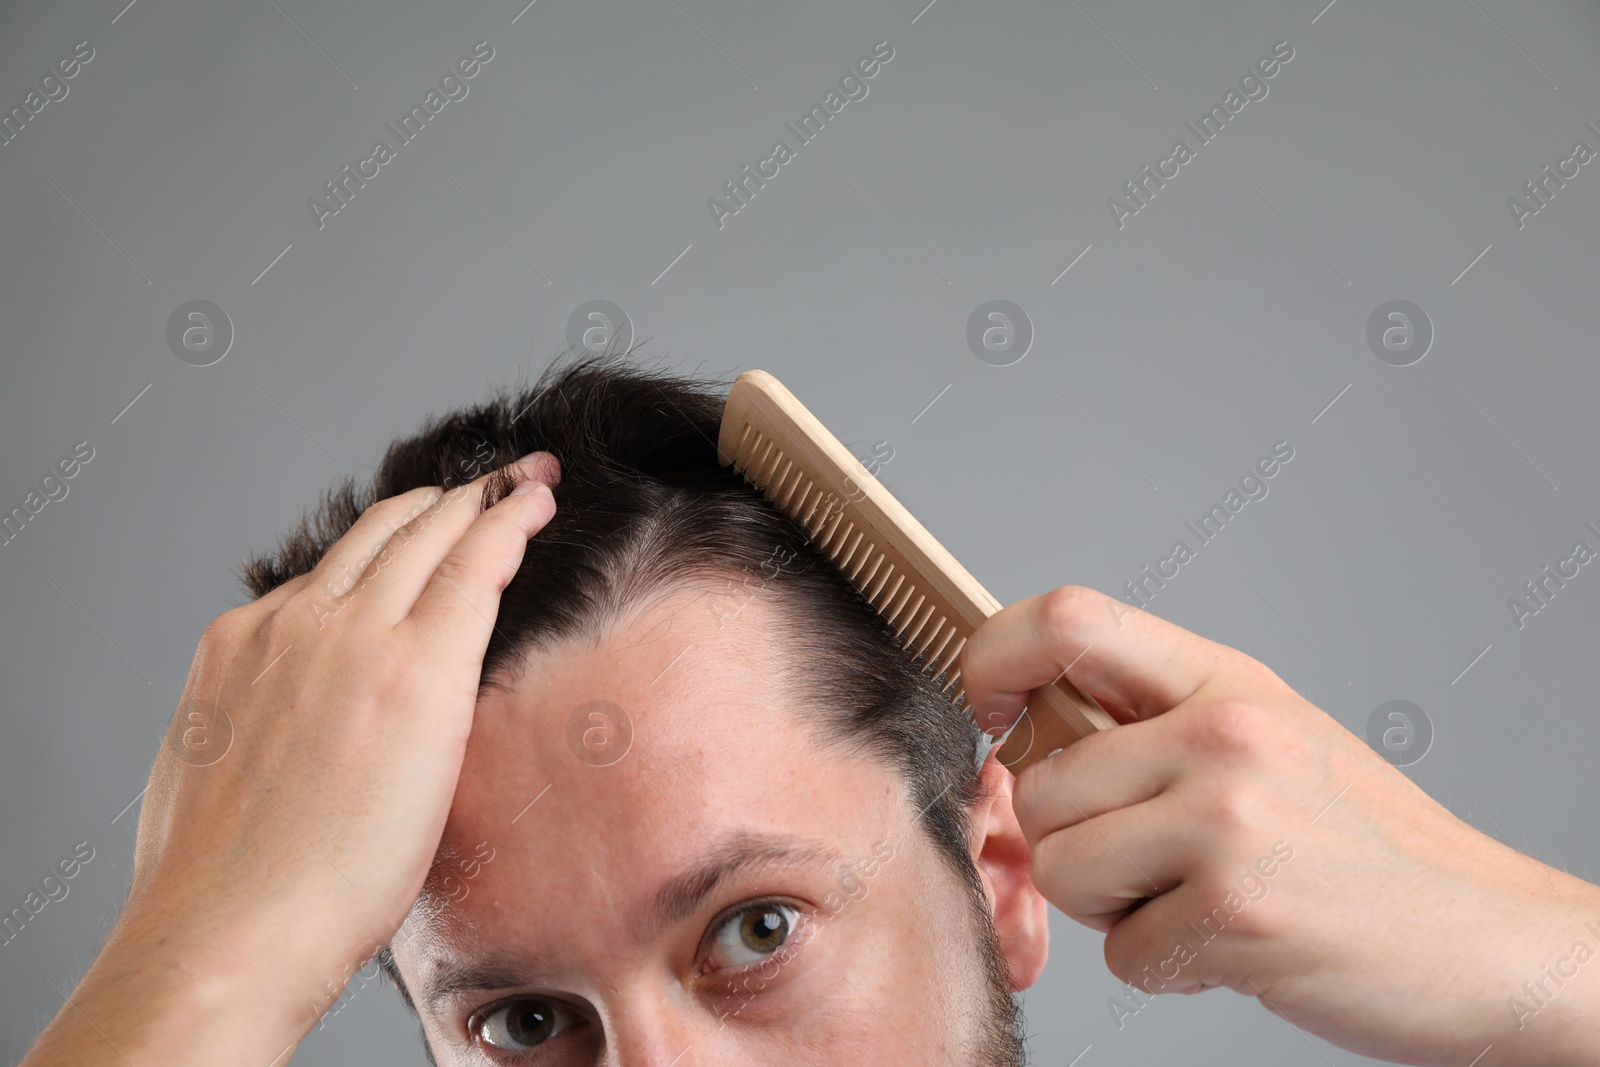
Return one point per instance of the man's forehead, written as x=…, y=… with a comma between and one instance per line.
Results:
x=669, y=680
x=636, y=746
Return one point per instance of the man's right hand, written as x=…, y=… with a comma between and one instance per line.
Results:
x=1397, y=930
x=298, y=799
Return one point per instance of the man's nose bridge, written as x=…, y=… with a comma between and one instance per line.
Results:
x=652, y=1028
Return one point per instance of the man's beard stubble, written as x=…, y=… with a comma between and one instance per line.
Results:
x=1001, y=1040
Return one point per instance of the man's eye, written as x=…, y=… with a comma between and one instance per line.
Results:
x=523, y=1023
x=753, y=934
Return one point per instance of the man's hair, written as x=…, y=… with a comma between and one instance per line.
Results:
x=643, y=507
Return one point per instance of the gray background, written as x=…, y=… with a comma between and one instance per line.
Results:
x=1220, y=319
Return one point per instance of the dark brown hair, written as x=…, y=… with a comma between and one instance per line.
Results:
x=643, y=506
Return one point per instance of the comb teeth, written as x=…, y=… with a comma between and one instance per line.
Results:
x=742, y=448
x=806, y=511
x=927, y=636
x=865, y=576
x=922, y=629
x=935, y=648
x=838, y=528
x=950, y=656
x=915, y=619
x=760, y=448
x=850, y=544
x=874, y=592
x=897, y=601
x=909, y=605
x=783, y=486
x=867, y=564
x=925, y=640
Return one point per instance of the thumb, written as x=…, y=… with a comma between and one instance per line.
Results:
x=1134, y=664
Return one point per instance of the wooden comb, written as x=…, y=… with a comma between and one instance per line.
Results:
x=928, y=599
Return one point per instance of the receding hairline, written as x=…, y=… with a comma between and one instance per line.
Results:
x=701, y=578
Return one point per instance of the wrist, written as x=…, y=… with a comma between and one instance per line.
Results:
x=181, y=990
x=1549, y=1011
x=142, y=1003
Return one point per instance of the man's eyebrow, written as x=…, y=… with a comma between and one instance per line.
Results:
x=497, y=971
x=735, y=856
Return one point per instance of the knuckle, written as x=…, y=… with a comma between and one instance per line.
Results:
x=1232, y=816
x=1069, y=613
x=1077, y=850
x=275, y=628
x=1225, y=905
x=1235, y=729
x=314, y=608
x=230, y=628
x=1027, y=797
x=413, y=524
x=1211, y=890
x=453, y=569
x=1049, y=861
x=1256, y=673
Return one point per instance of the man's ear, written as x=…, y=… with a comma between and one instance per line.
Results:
x=1021, y=914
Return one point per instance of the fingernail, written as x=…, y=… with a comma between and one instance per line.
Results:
x=527, y=485
x=543, y=466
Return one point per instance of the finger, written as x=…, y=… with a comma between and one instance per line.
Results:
x=1116, y=654
x=1105, y=772
x=1174, y=943
x=1098, y=869
x=396, y=575
x=341, y=567
x=462, y=596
